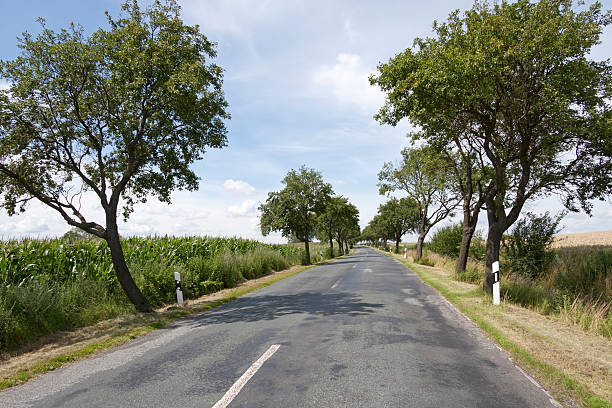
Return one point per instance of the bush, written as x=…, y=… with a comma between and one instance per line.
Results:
x=478, y=247
x=527, y=248
x=447, y=240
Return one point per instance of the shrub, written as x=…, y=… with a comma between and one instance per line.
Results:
x=447, y=240
x=478, y=247
x=527, y=248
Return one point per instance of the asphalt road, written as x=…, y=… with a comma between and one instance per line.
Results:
x=363, y=331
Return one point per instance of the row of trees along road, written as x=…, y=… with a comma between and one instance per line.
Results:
x=121, y=114
x=508, y=94
x=395, y=218
x=306, y=208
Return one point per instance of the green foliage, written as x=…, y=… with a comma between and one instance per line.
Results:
x=398, y=217
x=471, y=274
x=425, y=175
x=135, y=104
x=447, y=240
x=527, y=247
x=293, y=210
x=63, y=260
x=121, y=114
x=478, y=248
x=500, y=83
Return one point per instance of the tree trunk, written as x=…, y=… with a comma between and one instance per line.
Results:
x=419, y=248
x=307, y=247
x=397, y=243
x=494, y=237
x=346, y=245
x=331, y=247
x=466, y=239
x=340, y=247
x=121, y=270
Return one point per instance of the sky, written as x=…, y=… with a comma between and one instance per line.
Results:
x=296, y=80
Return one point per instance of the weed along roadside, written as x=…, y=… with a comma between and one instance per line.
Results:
x=58, y=349
x=545, y=345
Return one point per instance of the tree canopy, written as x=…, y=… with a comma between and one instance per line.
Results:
x=424, y=174
x=398, y=217
x=122, y=114
x=514, y=81
x=293, y=210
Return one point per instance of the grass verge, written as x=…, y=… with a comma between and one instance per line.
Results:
x=26, y=366
x=573, y=365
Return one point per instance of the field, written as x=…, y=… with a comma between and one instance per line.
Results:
x=583, y=239
x=48, y=286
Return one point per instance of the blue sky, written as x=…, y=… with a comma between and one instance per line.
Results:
x=296, y=82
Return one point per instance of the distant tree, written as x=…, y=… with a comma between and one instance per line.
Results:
x=425, y=175
x=399, y=217
x=77, y=234
x=368, y=235
x=328, y=219
x=534, y=106
x=294, y=209
x=347, y=227
x=377, y=230
x=122, y=113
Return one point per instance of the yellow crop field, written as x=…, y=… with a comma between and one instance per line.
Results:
x=583, y=239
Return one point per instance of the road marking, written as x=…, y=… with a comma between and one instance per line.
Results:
x=336, y=284
x=235, y=389
x=354, y=265
x=368, y=270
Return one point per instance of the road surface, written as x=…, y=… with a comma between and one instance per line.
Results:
x=363, y=331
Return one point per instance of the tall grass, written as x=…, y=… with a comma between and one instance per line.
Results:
x=577, y=285
x=52, y=285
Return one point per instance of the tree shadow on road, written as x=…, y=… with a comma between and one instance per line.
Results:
x=269, y=307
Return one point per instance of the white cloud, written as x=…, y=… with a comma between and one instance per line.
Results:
x=349, y=30
x=347, y=81
x=245, y=209
x=4, y=85
x=239, y=186
x=236, y=18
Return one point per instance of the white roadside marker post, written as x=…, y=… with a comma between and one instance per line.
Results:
x=405, y=253
x=495, y=267
x=179, y=292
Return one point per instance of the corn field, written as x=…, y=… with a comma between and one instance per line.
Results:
x=64, y=260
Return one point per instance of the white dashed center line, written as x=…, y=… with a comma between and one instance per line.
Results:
x=235, y=389
x=336, y=284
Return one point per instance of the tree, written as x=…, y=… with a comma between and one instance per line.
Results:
x=293, y=210
x=472, y=181
x=399, y=217
x=347, y=226
x=328, y=219
x=425, y=176
x=121, y=114
x=517, y=76
x=77, y=234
